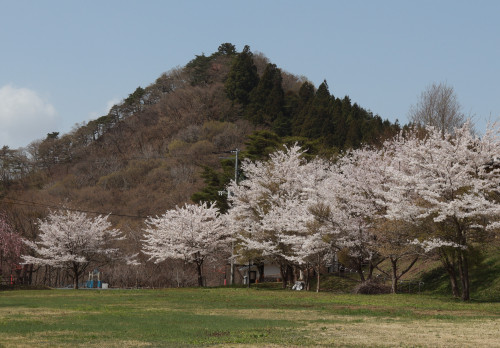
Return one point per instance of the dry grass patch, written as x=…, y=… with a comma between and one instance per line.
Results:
x=45, y=314
x=277, y=314
x=390, y=332
x=458, y=314
x=327, y=314
x=329, y=329
x=48, y=339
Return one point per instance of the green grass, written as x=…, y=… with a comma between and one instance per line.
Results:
x=236, y=317
x=484, y=278
x=265, y=315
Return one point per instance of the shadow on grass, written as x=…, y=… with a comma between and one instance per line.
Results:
x=4, y=287
x=484, y=280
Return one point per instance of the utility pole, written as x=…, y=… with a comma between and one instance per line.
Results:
x=236, y=152
x=231, y=277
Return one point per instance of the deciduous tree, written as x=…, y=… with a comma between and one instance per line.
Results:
x=450, y=180
x=438, y=107
x=191, y=233
x=270, y=208
x=351, y=189
x=73, y=241
x=10, y=244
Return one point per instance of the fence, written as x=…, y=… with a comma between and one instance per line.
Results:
x=410, y=285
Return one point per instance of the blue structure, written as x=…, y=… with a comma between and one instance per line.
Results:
x=92, y=276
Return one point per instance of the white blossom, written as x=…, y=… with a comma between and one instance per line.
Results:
x=192, y=233
x=270, y=210
x=73, y=240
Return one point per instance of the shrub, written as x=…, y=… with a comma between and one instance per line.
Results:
x=371, y=287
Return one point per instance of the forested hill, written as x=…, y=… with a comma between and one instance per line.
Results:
x=164, y=142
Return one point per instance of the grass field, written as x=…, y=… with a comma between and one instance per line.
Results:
x=241, y=318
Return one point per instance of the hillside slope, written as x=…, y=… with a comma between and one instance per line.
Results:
x=149, y=153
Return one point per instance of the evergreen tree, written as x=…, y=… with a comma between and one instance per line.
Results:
x=354, y=122
x=215, y=182
x=261, y=144
x=135, y=98
x=353, y=136
x=306, y=95
x=282, y=125
x=319, y=115
x=306, y=92
x=198, y=68
x=372, y=130
x=267, y=99
x=339, y=120
x=242, y=77
x=346, y=106
x=227, y=49
x=53, y=135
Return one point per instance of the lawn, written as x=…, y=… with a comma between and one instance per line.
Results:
x=241, y=317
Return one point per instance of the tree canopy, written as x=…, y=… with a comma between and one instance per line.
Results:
x=73, y=240
x=438, y=106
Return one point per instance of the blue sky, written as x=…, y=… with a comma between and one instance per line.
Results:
x=66, y=62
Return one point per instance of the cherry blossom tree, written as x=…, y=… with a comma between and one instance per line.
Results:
x=350, y=191
x=192, y=233
x=10, y=244
x=270, y=208
x=449, y=180
x=423, y=191
x=353, y=190
x=321, y=242
x=73, y=241
x=393, y=243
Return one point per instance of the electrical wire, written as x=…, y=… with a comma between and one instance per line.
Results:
x=16, y=201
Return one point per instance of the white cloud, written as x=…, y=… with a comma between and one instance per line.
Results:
x=24, y=116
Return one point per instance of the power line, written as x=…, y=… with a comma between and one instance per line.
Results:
x=33, y=204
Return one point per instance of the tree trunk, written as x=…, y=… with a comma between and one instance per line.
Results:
x=297, y=274
x=463, y=266
x=359, y=269
x=37, y=274
x=75, y=278
x=50, y=276
x=290, y=274
x=394, y=276
x=308, y=278
x=45, y=275
x=449, y=265
x=317, y=280
x=453, y=281
x=286, y=273
x=30, y=274
x=371, y=267
x=260, y=267
x=200, y=276
x=318, y=274
x=284, y=276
